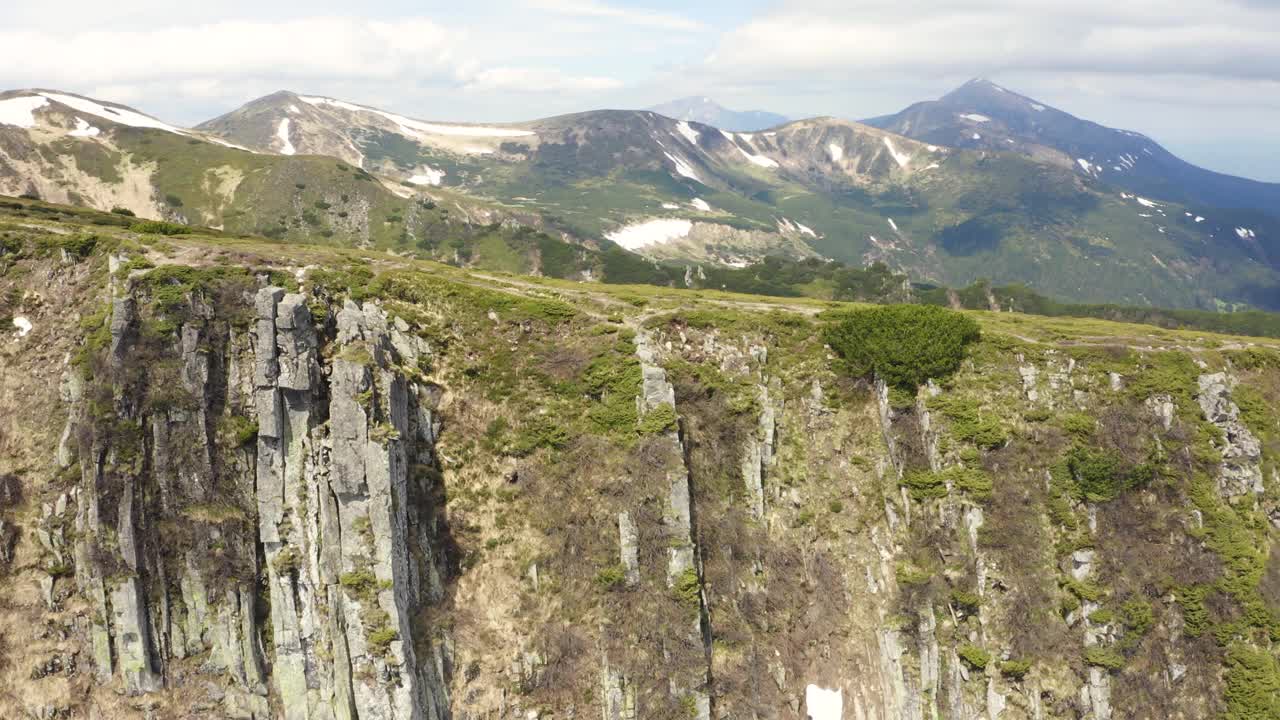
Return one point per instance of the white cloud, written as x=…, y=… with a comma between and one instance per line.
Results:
x=631, y=16
x=519, y=79
x=330, y=47
x=1215, y=37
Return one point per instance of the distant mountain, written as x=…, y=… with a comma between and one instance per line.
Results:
x=682, y=190
x=983, y=115
x=708, y=112
x=300, y=167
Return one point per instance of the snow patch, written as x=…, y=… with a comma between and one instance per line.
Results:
x=224, y=143
x=428, y=176
x=700, y=204
x=23, y=325
x=760, y=160
x=806, y=230
x=683, y=168
x=670, y=206
x=20, y=111
x=294, y=109
x=688, y=132
x=893, y=225
x=975, y=117
x=1087, y=166
x=116, y=115
x=835, y=152
x=932, y=166
x=823, y=704
x=84, y=129
x=1037, y=107
x=282, y=132
x=903, y=159
x=417, y=127
x=1199, y=219
x=1145, y=202
x=976, y=136
x=1245, y=233
x=932, y=148
x=650, y=232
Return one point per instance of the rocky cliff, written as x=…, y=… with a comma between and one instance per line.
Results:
x=256, y=481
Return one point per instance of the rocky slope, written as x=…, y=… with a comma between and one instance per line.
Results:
x=262, y=481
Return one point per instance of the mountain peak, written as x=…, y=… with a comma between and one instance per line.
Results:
x=702, y=109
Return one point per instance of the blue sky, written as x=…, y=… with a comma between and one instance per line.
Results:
x=1201, y=76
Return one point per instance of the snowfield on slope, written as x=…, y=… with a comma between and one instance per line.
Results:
x=414, y=127
x=650, y=232
x=823, y=704
x=903, y=159
x=282, y=132
x=688, y=132
x=683, y=168
x=428, y=176
x=21, y=111
x=115, y=115
x=84, y=129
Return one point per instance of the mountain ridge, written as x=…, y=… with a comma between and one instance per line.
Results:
x=983, y=115
x=669, y=190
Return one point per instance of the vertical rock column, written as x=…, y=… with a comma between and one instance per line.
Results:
x=285, y=385
x=682, y=561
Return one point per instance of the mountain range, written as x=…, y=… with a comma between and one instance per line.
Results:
x=983, y=183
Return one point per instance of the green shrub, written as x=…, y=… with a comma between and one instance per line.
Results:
x=117, y=210
x=909, y=574
x=1080, y=425
x=361, y=583
x=1102, y=616
x=974, y=656
x=1099, y=656
x=611, y=577
x=924, y=485
x=659, y=420
x=688, y=589
x=80, y=246
x=968, y=423
x=1102, y=475
x=239, y=430
x=159, y=227
x=904, y=345
x=1083, y=589
x=1137, y=615
x=540, y=432
x=1253, y=684
x=380, y=639
x=1195, y=615
x=1015, y=669
x=965, y=601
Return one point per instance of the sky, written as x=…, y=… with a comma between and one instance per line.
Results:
x=1200, y=76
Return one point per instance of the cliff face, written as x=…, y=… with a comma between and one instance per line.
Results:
x=237, y=487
